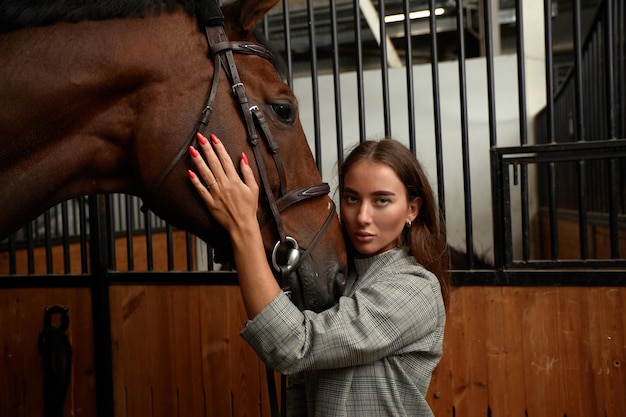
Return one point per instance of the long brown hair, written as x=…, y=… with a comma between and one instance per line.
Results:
x=425, y=237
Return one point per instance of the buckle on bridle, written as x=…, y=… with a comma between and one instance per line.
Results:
x=236, y=86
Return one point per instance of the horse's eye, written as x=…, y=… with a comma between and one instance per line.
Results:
x=285, y=112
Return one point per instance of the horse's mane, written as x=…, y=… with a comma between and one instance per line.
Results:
x=16, y=14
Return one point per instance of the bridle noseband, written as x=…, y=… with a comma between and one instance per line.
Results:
x=222, y=51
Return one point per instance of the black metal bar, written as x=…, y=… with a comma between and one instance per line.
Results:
x=315, y=85
x=460, y=27
x=554, y=234
x=39, y=281
x=359, y=70
x=48, y=242
x=408, y=64
x=336, y=80
x=609, y=65
x=67, y=267
x=287, y=24
x=540, y=277
x=580, y=132
x=581, y=264
x=189, y=252
x=521, y=73
x=434, y=70
x=84, y=232
x=547, y=19
x=491, y=94
x=580, y=119
x=620, y=59
x=130, y=209
x=614, y=191
x=525, y=201
x=498, y=209
x=100, y=305
x=505, y=202
x=169, y=247
x=110, y=232
x=384, y=69
x=149, y=246
x=597, y=149
x=210, y=254
x=613, y=175
x=523, y=129
x=30, y=248
x=582, y=209
x=12, y=253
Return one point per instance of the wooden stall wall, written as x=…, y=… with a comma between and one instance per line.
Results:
x=533, y=351
x=509, y=351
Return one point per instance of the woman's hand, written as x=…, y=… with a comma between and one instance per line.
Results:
x=232, y=202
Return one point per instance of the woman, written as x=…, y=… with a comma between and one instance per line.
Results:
x=374, y=352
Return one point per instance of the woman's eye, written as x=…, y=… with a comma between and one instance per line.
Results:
x=382, y=201
x=285, y=112
x=349, y=199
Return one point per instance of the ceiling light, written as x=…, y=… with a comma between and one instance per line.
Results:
x=419, y=14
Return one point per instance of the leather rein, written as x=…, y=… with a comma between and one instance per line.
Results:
x=222, y=51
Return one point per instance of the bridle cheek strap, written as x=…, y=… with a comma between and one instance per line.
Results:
x=223, y=50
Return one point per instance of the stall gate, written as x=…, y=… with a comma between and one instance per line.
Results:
x=108, y=311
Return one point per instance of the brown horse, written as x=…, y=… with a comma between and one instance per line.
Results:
x=103, y=99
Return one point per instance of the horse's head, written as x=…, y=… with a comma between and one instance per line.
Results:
x=254, y=111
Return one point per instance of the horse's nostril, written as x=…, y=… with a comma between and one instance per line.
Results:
x=339, y=284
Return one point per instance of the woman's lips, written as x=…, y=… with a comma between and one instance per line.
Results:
x=363, y=237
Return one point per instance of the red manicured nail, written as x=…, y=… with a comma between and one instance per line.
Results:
x=190, y=174
x=215, y=139
x=193, y=152
x=244, y=158
x=202, y=139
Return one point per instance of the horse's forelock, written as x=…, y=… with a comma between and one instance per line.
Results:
x=15, y=14
x=277, y=60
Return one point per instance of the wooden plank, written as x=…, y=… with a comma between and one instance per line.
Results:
x=504, y=357
x=544, y=387
x=131, y=357
x=216, y=349
x=470, y=380
x=245, y=381
x=607, y=331
x=440, y=392
x=573, y=342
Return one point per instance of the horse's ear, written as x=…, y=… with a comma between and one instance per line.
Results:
x=247, y=13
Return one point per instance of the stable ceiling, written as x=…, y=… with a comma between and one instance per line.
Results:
x=420, y=41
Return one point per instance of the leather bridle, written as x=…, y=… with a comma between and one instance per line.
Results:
x=222, y=50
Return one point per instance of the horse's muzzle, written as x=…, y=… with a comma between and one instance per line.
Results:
x=315, y=290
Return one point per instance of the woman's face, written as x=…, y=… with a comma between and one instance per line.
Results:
x=374, y=207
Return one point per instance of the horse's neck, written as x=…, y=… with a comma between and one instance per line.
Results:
x=72, y=97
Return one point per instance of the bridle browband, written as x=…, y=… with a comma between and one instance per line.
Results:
x=222, y=51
